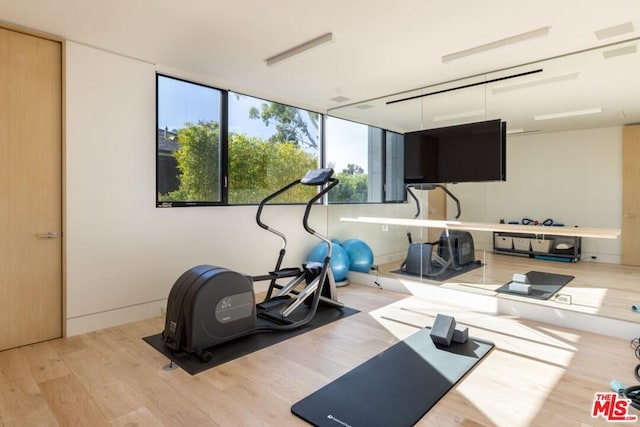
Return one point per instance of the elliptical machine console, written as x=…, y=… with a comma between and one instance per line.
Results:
x=209, y=305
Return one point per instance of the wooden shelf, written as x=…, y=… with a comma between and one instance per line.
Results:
x=538, y=230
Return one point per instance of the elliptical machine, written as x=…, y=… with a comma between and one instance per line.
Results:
x=209, y=305
x=454, y=248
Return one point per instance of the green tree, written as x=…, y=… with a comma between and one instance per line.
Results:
x=198, y=163
x=353, y=186
x=352, y=170
x=258, y=167
x=292, y=124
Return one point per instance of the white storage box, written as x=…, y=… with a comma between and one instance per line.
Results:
x=521, y=244
x=503, y=242
x=540, y=245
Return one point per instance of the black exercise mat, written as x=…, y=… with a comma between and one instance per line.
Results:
x=543, y=285
x=244, y=345
x=395, y=388
x=445, y=275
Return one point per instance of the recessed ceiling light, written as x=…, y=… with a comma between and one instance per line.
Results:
x=537, y=82
x=364, y=106
x=615, y=30
x=296, y=50
x=340, y=99
x=568, y=114
x=496, y=44
x=454, y=116
x=612, y=53
x=512, y=131
x=516, y=132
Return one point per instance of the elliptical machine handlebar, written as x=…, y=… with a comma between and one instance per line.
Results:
x=313, y=177
x=266, y=200
x=305, y=220
x=431, y=187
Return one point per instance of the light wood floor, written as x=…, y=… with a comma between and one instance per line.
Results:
x=538, y=374
x=607, y=290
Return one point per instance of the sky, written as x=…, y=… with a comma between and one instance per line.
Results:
x=347, y=143
x=190, y=102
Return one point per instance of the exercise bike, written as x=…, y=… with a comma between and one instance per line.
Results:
x=209, y=305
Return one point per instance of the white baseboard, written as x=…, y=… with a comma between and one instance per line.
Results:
x=105, y=319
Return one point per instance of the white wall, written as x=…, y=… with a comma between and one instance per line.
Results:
x=573, y=177
x=124, y=254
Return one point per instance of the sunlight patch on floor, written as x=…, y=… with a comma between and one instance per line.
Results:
x=515, y=379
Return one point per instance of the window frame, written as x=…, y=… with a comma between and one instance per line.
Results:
x=222, y=147
x=320, y=149
x=383, y=166
x=223, y=155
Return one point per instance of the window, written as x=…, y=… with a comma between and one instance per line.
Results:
x=270, y=145
x=368, y=162
x=216, y=147
x=394, y=168
x=189, y=143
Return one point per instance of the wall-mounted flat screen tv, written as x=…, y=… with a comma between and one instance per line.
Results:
x=472, y=152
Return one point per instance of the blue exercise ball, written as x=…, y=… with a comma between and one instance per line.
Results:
x=339, y=262
x=360, y=255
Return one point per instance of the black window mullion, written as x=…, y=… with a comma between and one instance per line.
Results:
x=224, y=147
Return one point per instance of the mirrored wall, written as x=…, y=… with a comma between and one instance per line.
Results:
x=564, y=118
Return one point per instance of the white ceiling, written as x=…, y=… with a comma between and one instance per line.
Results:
x=380, y=47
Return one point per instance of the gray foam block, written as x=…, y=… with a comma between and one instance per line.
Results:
x=443, y=329
x=521, y=288
x=520, y=278
x=461, y=334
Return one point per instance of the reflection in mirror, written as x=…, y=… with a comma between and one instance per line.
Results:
x=564, y=160
x=567, y=94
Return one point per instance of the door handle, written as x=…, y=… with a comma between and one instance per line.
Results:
x=49, y=235
x=630, y=215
